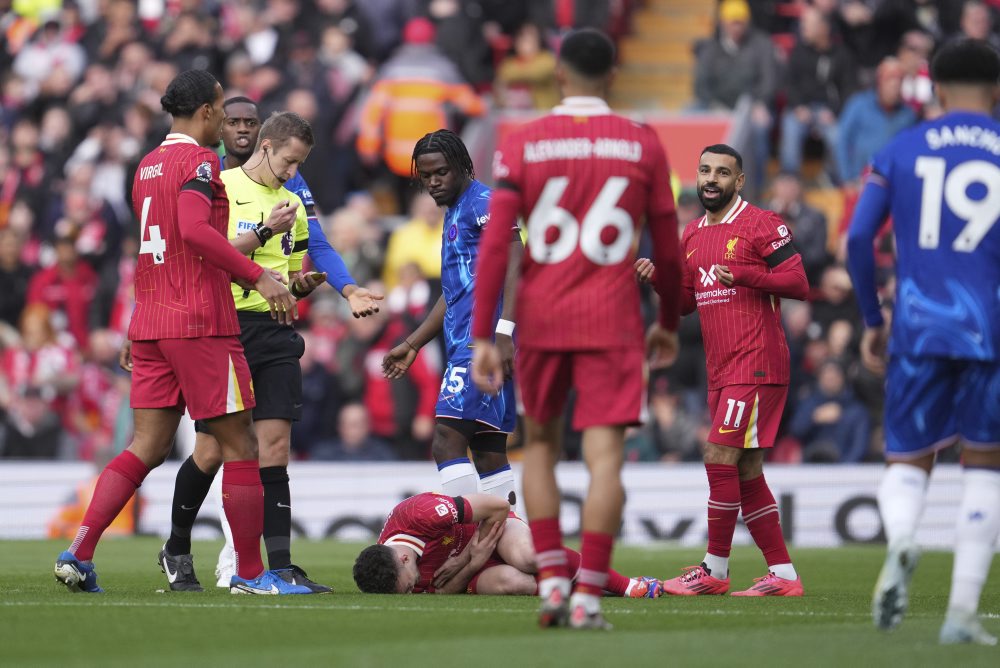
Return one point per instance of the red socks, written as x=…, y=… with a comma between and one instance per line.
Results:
x=549, y=553
x=243, y=502
x=760, y=514
x=723, y=507
x=595, y=559
x=118, y=482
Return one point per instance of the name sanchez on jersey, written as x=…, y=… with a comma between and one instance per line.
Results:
x=582, y=148
x=963, y=135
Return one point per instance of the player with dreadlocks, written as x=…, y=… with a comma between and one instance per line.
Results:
x=466, y=418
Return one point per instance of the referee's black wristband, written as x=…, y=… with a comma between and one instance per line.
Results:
x=263, y=233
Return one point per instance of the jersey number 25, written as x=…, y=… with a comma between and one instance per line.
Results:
x=553, y=232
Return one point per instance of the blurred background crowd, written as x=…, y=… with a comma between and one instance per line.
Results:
x=825, y=84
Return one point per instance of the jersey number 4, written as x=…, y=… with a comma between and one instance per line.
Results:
x=604, y=235
x=155, y=243
x=942, y=187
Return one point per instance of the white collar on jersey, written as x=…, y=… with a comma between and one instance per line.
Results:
x=406, y=540
x=580, y=105
x=736, y=210
x=178, y=138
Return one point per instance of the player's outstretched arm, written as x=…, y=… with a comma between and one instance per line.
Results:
x=363, y=302
x=398, y=360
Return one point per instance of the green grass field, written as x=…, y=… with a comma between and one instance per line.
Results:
x=133, y=624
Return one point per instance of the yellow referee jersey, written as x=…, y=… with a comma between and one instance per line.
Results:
x=250, y=204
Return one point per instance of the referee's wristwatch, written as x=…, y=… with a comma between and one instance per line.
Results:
x=263, y=232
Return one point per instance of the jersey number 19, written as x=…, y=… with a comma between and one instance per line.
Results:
x=951, y=188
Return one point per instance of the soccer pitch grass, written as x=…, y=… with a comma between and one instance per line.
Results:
x=133, y=625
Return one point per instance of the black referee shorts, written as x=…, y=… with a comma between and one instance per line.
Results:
x=272, y=351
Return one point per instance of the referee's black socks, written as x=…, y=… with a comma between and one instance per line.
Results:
x=277, y=516
x=190, y=490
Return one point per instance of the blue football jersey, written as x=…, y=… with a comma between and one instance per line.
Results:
x=940, y=181
x=464, y=223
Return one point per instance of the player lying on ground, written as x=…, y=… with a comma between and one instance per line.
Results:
x=448, y=545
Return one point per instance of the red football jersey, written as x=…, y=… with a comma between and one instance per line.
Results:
x=177, y=294
x=741, y=326
x=586, y=178
x=435, y=526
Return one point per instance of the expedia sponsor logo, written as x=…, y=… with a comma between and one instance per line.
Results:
x=779, y=243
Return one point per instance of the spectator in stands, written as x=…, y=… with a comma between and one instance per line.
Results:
x=460, y=36
x=346, y=232
x=977, y=23
x=35, y=377
x=402, y=412
x=412, y=95
x=97, y=403
x=417, y=241
x=26, y=176
x=321, y=399
x=836, y=299
x=739, y=61
x=669, y=435
x=351, y=21
x=526, y=78
x=914, y=54
x=869, y=120
x=67, y=288
x=355, y=442
x=831, y=424
x=820, y=77
x=50, y=65
x=808, y=225
x=14, y=277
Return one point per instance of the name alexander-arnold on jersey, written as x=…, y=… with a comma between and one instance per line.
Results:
x=582, y=148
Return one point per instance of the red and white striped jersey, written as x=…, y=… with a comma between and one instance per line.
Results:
x=435, y=526
x=177, y=294
x=741, y=326
x=586, y=178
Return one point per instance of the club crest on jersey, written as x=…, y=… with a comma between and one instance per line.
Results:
x=204, y=172
x=286, y=243
x=731, y=249
x=452, y=232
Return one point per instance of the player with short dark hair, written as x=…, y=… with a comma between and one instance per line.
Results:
x=466, y=418
x=739, y=262
x=940, y=182
x=186, y=348
x=584, y=178
x=430, y=543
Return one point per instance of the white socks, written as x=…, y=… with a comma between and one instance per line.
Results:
x=975, y=535
x=719, y=566
x=458, y=477
x=784, y=571
x=901, y=501
x=499, y=483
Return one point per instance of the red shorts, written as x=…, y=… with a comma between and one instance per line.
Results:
x=208, y=375
x=610, y=385
x=746, y=416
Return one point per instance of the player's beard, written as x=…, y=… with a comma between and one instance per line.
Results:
x=724, y=199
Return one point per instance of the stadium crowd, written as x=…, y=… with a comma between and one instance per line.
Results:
x=831, y=81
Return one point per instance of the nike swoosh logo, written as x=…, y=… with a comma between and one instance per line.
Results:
x=691, y=253
x=171, y=577
x=239, y=203
x=183, y=507
x=281, y=505
x=726, y=431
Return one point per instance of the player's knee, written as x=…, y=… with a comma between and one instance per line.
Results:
x=274, y=451
x=751, y=466
x=721, y=454
x=515, y=583
x=487, y=462
x=447, y=444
